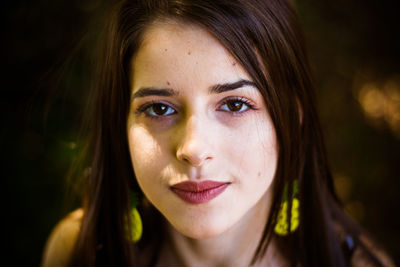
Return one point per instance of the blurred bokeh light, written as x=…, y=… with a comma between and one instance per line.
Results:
x=380, y=102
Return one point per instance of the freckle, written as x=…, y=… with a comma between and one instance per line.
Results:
x=259, y=174
x=168, y=83
x=165, y=49
x=189, y=53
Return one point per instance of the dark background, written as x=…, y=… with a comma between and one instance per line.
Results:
x=46, y=47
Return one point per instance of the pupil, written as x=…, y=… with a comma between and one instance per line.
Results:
x=235, y=106
x=159, y=109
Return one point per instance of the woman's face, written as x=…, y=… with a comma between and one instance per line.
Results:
x=202, y=144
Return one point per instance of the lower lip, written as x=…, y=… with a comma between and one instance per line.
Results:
x=200, y=197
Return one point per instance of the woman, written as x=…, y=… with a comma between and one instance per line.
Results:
x=204, y=114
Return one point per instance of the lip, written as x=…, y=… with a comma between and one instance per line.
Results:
x=199, y=192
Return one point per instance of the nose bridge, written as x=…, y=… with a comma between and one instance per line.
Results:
x=193, y=128
x=193, y=147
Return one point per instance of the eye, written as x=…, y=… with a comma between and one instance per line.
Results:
x=157, y=110
x=237, y=105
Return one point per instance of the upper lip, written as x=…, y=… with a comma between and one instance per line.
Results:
x=192, y=186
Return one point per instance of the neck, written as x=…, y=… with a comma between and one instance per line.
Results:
x=234, y=247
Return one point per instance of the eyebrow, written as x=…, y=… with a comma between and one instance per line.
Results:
x=220, y=88
x=215, y=89
x=149, y=91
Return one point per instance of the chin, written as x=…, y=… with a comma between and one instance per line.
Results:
x=201, y=230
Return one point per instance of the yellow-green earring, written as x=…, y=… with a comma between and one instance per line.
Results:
x=136, y=228
x=282, y=225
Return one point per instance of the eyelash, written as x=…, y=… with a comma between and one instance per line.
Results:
x=145, y=107
x=250, y=105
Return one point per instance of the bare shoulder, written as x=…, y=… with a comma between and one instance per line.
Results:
x=62, y=240
x=371, y=255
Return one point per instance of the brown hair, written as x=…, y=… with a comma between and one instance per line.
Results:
x=266, y=39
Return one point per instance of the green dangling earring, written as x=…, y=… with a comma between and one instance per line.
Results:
x=282, y=225
x=136, y=229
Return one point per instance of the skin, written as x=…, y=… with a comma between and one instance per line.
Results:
x=192, y=132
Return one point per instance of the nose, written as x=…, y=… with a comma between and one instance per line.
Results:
x=194, y=148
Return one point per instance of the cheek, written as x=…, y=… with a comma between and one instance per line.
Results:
x=141, y=145
x=145, y=153
x=252, y=149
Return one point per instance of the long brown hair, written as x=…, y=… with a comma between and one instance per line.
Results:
x=266, y=39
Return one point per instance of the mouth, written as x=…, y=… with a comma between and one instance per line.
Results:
x=199, y=192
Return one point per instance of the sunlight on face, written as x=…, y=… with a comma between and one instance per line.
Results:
x=196, y=116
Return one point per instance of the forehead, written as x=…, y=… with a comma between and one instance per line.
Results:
x=171, y=51
x=174, y=33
